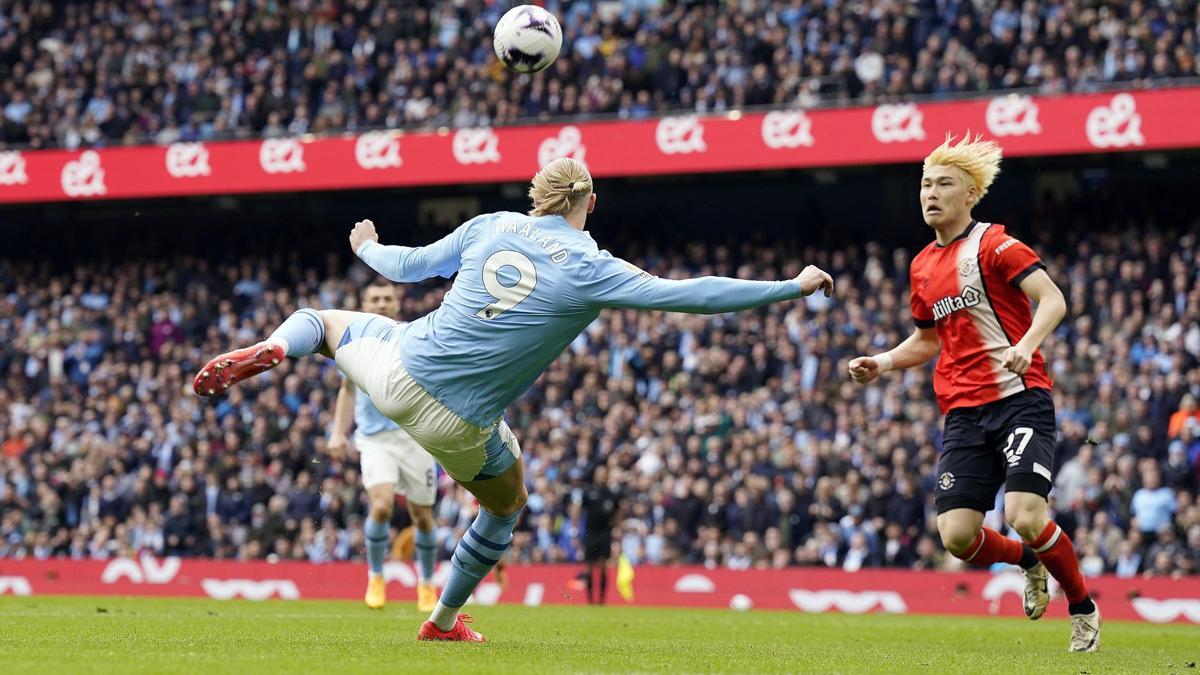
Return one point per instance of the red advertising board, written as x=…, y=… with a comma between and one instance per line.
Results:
x=1159, y=600
x=1024, y=125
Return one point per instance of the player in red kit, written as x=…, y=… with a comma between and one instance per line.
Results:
x=970, y=300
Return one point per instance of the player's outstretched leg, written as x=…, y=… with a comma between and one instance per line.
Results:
x=305, y=332
x=1028, y=514
x=501, y=500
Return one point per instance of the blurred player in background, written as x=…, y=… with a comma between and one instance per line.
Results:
x=600, y=506
x=392, y=463
x=970, y=299
x=526, y=286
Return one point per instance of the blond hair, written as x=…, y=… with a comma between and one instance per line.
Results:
x=560, y=187
x=977, y=158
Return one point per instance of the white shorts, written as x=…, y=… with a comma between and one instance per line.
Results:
x=394, y=457
x=370, y=357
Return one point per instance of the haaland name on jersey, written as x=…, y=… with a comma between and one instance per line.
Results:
x=553, y=247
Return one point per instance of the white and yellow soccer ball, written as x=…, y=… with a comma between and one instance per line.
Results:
x=527, y=39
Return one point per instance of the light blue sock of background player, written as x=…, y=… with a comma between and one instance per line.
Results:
x=426, y=545
x=377, y=543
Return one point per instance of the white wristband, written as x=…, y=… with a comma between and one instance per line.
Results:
x=885, y=362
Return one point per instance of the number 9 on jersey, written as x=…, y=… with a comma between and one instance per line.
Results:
x=507, y=297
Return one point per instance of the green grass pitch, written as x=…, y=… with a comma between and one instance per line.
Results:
x=129, y=635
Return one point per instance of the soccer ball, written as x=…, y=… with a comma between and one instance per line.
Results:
x=527, y=39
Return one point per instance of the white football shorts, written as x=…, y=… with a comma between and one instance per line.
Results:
x=394, y=457
x=370, y=356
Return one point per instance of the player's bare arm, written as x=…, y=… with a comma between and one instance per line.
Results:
x=917, y=349
x=343, y=413
x=1051, y=308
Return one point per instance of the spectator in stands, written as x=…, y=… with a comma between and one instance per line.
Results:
x=1186, y=419
x=179, y=530
x=1153, y=506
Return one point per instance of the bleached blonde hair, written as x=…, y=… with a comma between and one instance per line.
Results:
x=560, y=187
x=977, y=158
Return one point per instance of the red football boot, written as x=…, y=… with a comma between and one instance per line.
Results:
x=459, y=633
x=230, y=368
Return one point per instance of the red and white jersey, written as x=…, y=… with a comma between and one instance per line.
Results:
x=969, y=289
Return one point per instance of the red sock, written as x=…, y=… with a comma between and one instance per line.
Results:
x=1054, y=548
x=991, y=547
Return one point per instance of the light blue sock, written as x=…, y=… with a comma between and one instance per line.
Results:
x=377, y=543
x=303, y=331
x=477, y=553
x=426, y=549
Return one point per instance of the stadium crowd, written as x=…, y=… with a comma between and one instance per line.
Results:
x=734, y=441
x=137, y=71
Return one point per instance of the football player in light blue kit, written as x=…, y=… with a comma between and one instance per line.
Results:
x=526, y=286
x=392, y=462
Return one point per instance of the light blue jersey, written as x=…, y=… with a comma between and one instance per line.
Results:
x=367, y=418
x=526, y=287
